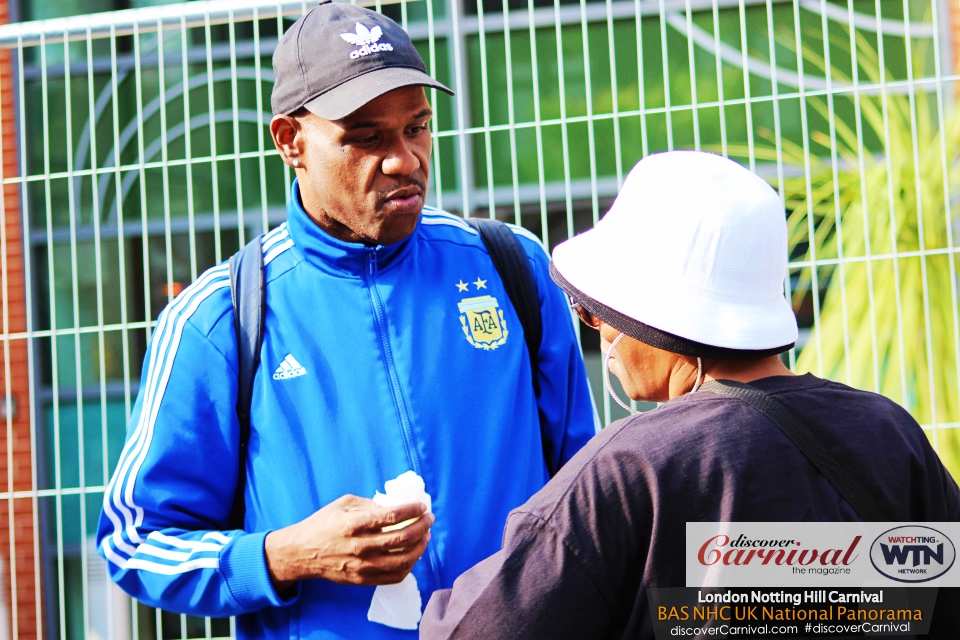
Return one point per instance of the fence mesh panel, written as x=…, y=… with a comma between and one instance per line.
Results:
x=136, y=154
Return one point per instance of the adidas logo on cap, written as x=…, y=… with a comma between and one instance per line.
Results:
x=337, y=45
x=366, y=39
x=289, y=368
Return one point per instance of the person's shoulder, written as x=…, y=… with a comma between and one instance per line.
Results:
x=599, y=498
x=204, y=303
x=830, y=387
x=673, y=438
x=649, y=431
x=634, y=457
x=625, y=448
x=279, y=253
x=208, y=301
x=440, y=226
x=530, y=242
x=673, y=421
x=808, y=390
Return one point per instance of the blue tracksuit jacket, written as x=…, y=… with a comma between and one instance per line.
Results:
x=376, y=361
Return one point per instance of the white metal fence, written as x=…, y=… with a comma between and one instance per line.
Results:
x=136, y=155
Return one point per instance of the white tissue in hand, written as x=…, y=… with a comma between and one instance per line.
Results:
x=398, y=605
x=407, y=487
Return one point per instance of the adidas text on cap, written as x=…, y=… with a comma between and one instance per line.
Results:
x=338, y=57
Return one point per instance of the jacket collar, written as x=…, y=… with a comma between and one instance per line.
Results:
x=351, y=259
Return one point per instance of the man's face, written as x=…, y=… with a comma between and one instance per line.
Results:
x=364, y=178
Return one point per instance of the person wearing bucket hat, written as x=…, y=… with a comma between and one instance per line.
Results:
x=684, y=279
x=391, y=357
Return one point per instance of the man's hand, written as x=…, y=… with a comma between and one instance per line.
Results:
x=344, y=542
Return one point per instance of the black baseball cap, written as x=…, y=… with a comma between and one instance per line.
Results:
x=338, y=57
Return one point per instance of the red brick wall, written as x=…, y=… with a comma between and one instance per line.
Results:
x=22, y=602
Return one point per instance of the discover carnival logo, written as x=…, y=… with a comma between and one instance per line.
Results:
x=744, y=550
x=821, y=554
x=912, y=553
x=366, y=39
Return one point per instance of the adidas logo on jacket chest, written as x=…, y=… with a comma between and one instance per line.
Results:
x=289, y=368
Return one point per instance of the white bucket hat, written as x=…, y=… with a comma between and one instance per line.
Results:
x=690, y=258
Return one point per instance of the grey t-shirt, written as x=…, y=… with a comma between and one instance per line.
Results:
x=578, y=556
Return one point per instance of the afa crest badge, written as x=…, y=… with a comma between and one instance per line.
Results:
x=483, y=323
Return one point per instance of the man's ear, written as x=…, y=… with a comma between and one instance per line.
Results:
x=287, y=137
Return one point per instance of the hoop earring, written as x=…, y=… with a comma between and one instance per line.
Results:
x=606, y=378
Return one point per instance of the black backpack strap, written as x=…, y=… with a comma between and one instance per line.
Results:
x=249, y=307
x=511, y=262
x=794, y=428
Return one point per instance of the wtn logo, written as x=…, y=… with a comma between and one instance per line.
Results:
x=899, y=554
x=912, y=554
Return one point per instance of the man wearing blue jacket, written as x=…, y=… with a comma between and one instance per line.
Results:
x=390, y=346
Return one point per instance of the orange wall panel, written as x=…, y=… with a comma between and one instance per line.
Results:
x=17, y=532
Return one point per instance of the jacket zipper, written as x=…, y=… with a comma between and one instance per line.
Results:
x=401, y=403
